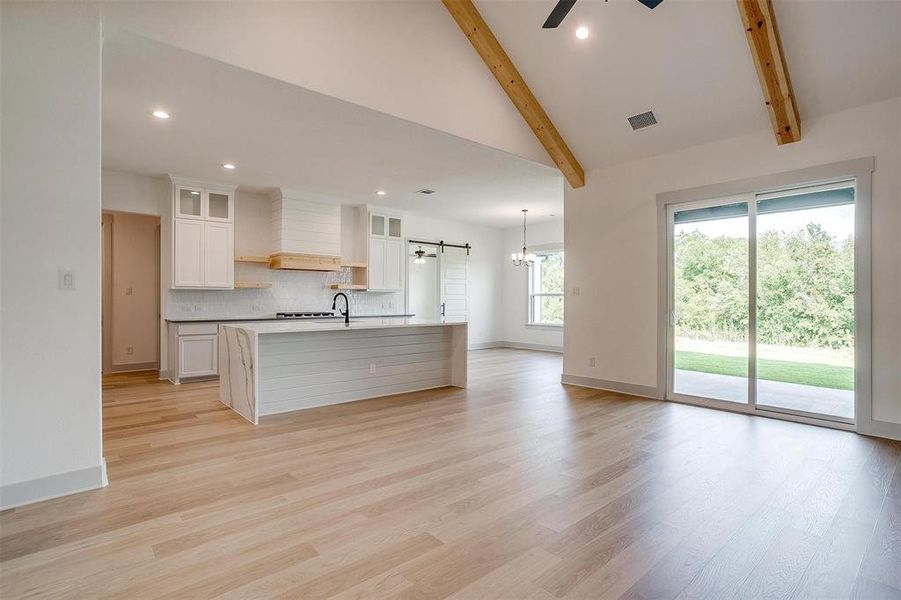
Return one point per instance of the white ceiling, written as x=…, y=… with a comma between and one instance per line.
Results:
x=279, y=134
x=689, y=62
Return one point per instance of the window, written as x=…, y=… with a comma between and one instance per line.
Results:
x=546, y=289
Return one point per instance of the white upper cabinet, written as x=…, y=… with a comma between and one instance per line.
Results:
x=219, y=255
x=188, y=251
x=377, y=249
x=386, y=252
x=394, y=265
x=203, y=235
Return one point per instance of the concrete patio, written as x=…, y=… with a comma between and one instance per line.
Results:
x=808, y=398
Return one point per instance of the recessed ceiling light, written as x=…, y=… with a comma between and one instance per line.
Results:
x=582, y=32
x=160, y=114
x=228, y=166
x=381, y=193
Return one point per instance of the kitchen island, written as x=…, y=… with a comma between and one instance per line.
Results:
x=267, y=368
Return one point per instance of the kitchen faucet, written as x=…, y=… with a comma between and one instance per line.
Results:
x=346, y=312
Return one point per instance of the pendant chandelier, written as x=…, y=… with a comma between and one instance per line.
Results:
x=420, y=256
x=524, y=258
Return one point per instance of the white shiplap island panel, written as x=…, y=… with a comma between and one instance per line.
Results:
x=270, y=368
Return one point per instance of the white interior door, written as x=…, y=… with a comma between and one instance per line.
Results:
x=454, y=284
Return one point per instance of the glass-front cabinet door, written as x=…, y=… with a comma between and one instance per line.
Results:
x=394, y=228
x=219, y=206
x=377, y=225
x=189, y=202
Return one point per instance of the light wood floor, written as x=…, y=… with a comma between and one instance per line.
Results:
x=516, y=488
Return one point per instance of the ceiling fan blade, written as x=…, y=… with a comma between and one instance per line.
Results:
x=559, y=13
x=651, y=3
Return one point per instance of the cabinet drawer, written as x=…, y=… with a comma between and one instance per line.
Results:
x=197, y=328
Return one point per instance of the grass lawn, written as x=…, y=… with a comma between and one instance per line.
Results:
x=827, y=376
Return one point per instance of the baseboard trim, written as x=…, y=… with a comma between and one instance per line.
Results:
x=53, y=486
x=132, y=367
x=538, y=347
x=485, y=345
x=630, y=389
x=516, y=346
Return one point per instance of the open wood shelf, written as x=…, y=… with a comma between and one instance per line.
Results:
x=242, y=285
x=348, y=286
x=252, y=259
x=354, y=265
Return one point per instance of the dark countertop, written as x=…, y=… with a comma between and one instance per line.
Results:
x=272, y=318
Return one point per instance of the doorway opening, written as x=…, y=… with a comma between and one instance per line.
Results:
x=131, y=292
x=438, y=281
x=761, y=301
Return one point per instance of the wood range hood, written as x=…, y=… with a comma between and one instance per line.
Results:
x=297, y=261
x=306, y=232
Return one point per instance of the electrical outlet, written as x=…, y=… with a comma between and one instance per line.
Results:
x=372, y=368
x=129, y=291
x=577, y=291
x=130, y=350
x=592, y=362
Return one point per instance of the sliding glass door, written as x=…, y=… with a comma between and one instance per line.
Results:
x=710, y=302
x=761, y=298
x=805, y=301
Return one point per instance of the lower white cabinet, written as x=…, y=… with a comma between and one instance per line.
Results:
x=193, y=350
x=198, y=355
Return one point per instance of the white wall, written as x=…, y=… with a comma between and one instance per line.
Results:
x=541, y=236
x=407, y=59
x=611, y=242
x=132, y=193
x=50, y=425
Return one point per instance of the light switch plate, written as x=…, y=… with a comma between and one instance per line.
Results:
x=66, y=278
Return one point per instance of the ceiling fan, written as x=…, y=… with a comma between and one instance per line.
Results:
x=563, y=7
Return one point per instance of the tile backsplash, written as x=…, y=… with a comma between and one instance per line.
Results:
x=291, y=290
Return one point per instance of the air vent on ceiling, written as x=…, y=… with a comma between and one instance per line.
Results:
x=425, y=191
x=645, y=119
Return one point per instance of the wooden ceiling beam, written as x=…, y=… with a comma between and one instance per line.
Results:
x=759, y=20
x=482, y=39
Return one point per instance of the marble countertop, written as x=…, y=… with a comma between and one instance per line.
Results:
x=337, y=325
x=258, y=318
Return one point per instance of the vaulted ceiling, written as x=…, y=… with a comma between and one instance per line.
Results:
x=689, y=62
